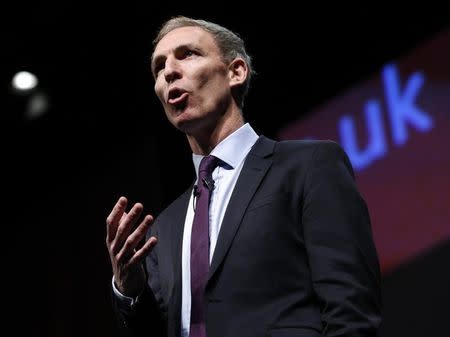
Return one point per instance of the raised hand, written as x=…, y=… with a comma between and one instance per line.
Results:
x=123, y=234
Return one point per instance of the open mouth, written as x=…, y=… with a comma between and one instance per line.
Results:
x=177, y=97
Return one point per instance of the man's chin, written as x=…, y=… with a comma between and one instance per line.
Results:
x=176, y=116
x=188, y=121
x=185, y=125
x=188, y=124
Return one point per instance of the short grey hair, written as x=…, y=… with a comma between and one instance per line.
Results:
x=230, y=44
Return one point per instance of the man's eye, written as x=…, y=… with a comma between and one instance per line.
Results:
x=188, y=53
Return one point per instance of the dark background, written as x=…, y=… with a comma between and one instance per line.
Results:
x=105, y=135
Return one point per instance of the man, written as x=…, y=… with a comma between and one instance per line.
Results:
x=289, y=250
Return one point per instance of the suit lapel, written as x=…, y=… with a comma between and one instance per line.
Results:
x=255, y=167
x=176, y=222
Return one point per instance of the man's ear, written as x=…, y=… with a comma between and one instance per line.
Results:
x=238, y=72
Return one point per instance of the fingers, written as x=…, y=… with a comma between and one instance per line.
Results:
x=113, y=219
x=139, y=256
x=126, y=225
x=128, y=251
x=123, y=236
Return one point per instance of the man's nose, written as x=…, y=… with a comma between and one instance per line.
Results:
x=172, y=69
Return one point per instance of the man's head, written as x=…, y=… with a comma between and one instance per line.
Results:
x=229, y=43
x=201, y=70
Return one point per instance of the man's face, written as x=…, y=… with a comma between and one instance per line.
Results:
x=191, y=79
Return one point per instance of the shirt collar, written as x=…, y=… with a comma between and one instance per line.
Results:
x=233, y=149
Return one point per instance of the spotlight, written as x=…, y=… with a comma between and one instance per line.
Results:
x=24, y=82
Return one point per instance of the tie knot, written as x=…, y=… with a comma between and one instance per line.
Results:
x=207, y=165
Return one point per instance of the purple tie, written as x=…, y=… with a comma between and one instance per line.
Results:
x=200, y=246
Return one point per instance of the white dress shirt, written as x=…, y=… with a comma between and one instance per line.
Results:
x=232, y=151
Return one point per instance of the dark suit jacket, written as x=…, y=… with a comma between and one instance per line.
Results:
x=294, y=257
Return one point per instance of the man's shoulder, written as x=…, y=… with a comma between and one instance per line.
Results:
x=303, y=151
x=303, y=146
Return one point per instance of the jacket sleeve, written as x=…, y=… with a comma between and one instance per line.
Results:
x=342, y=255
x=146, y=316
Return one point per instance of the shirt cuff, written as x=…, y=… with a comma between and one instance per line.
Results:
x=125, y=302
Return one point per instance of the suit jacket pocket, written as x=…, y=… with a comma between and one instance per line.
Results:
x=293, y=332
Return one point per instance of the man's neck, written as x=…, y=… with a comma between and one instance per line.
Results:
x=204, y=142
